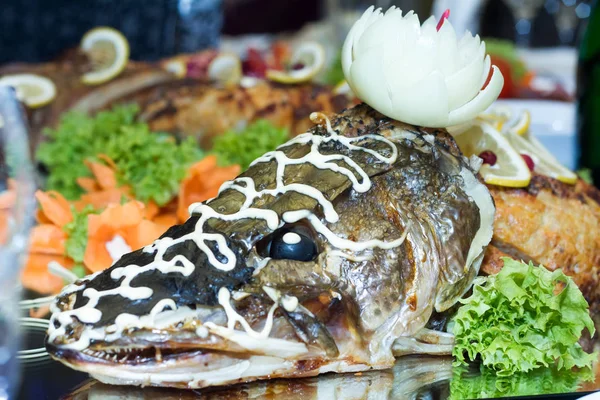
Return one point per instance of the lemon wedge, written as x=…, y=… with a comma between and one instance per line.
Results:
x=343, y=88
x=310, y=59
x=521, y=126
x=544, y=162
x=175, y=66
x=508, y=168
x=225, y=69
x=108, y=51
x=33, y=90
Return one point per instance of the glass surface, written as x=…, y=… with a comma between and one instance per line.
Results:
x=413, y=377
x=16, y=214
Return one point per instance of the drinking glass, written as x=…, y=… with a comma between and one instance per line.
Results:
x=524, y=11
x=17, y=204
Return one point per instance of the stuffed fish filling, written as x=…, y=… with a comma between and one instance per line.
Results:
x=328, y=254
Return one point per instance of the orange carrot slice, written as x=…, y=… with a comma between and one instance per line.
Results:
x=47, y=239
x=55, y=207
x=143, y=234
x=35, y=275
x=88, y=184
x=202, y=182
x=105, y=176
x=103, y=198
x=166, y=220
x=96, y=257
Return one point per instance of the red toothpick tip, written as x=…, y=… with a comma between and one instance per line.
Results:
x=444, y=17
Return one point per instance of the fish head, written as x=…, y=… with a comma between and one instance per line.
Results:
x=328, y=254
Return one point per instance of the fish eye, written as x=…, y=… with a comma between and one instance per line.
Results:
x=289, y=243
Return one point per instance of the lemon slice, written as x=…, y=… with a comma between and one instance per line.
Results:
x=225, y=69
x=509, y=168
x=544, y=162
x=108, y=51
x=176, y=66
x=521, y=127
x=343, y=88
x=33, y=90
x=311, y=57
x=497, y=117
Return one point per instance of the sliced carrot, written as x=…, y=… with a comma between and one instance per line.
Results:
x=88, y=184
x=105, y=176
x=47, y=239
x=55, y=207
x=142, y=234
x=202, y=183
x=166, y=220
x=220, y=175
x=96, y=257
x=151, y=210
x=35, y=275
x=104, y=198
x=203, y=166
x=109, y=161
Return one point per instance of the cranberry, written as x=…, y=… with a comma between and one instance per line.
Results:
x=528, y=161
x=297, y=66
x=489, y=157
x=254, y=65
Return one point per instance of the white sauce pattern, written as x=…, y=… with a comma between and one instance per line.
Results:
x=88, y=314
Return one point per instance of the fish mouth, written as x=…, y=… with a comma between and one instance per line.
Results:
x=203, y=351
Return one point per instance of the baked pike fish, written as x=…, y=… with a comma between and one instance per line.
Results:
x=329, y=254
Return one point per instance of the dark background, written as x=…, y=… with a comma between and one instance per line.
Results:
x=40, y=30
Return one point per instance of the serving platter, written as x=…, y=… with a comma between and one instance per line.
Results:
x=413, y=377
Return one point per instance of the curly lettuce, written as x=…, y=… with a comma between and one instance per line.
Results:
x=523, y=318
x=483, y=383
x=243, y=147
x=152, y=164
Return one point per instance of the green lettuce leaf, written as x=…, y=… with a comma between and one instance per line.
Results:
x=152, y=164
x=483, y=383
x=523, y=318
x=243, y=147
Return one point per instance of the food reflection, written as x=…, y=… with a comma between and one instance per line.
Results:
x=411, y=378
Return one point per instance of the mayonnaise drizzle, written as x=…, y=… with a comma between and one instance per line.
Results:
x=88, y=314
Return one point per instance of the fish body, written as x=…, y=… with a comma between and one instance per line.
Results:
x=183, y=106
x=329, y=254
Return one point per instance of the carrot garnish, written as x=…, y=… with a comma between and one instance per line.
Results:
x=54, y=207
x=202, y=183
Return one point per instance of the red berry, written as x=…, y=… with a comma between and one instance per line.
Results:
x=489, y=157
x=297, y=66
x=254, y=65
x=528, y=161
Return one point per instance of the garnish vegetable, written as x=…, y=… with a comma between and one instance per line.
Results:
x=243, y=147
x=152, y=164
x=484, y=383
x=523, y=318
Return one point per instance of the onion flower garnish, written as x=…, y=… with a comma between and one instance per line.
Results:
x=417, y=74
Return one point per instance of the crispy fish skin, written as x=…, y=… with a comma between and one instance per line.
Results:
x=553, y=224
x=399, y=223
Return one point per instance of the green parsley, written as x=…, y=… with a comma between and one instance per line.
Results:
x=152, y=164
x=244, y=147
x=77, y=233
